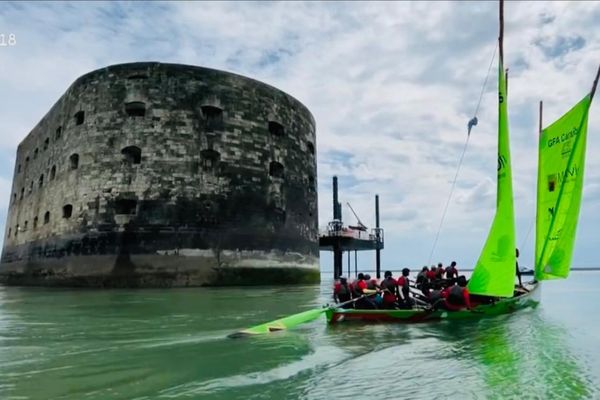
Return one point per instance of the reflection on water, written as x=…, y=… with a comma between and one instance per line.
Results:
x=152, y=344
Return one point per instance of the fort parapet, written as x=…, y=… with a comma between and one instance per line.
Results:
x=158, y=175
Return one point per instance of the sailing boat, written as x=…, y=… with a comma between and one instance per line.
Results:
x=560, y=182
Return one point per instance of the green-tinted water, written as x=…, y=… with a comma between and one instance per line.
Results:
x=170, y=344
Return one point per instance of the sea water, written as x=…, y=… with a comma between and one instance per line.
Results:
x=172, y=344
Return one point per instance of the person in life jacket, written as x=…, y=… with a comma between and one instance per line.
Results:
x=452, y=272
x=440, y=271
x=422, y=277
x=431, y=274
x=389, y=286
x=342, y=292
x=360, y=289
x=372, y=284
x=457, y=296
x=404, y=298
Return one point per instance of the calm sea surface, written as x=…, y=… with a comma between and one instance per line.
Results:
x=171, y=344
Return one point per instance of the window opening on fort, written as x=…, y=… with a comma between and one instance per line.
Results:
x=213, y=118
x=41, y=180
x=46, y=143
x=79, y=117
x=22, y=193
x=46, y=217
x=137, y=76
x=276, y=169
x=74, y=161
x=210, y=158
x=35, y=222
x=67, y=211
x=18, y=168
x=35, y=153
x=276, y=128
x=25, y=225
x=17, y=230
x=53, y=172
x=132, y=155
x=311, y=183
x=135, y=109
x=125, y=206
x=26, y=159
x=58, y=133
x=9, y=231
x=310, y=147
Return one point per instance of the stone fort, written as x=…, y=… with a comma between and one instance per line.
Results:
x=160, y=175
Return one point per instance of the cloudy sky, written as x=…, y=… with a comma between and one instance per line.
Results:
x=391, y=86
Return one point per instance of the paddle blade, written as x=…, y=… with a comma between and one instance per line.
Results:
x=281, y=324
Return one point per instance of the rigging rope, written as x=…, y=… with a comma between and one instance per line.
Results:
x=528, y=232
x=472, y=122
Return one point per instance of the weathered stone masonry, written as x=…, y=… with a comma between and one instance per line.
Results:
x=151, y=174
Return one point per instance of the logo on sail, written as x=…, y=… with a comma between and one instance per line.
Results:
x=552, y=179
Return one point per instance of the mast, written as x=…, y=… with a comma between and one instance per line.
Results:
x=595, y=84
x=540, y=124
x=501, y=34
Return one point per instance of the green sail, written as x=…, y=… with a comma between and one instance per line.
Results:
x=560, y=183
x=494, y=274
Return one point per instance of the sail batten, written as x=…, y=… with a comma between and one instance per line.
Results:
x=494, y=273
x=560, y=184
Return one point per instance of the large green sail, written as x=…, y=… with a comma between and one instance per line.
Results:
x=494, y=274
x=560, y=182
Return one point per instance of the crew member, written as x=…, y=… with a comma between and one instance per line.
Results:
x=390, y=291
x=518, y=270
x=404, y=298
x=360, y=289
x=452, y=273
x=422, y=277
x=431, y=274
x=372, y=284
x=457, y=296
x=439, y=274
x=342, y=292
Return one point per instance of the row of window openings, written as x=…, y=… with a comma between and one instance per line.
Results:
x=67, y=212
x=122, y=206
x=132, y=155
x=79, y=119
x=213, y=117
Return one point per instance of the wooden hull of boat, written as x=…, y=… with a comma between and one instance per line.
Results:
x=503, y=306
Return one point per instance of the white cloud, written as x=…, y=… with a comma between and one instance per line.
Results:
x=391, y=85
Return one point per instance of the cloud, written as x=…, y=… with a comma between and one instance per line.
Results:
x=392, y=86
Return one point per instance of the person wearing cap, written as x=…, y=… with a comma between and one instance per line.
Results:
x=342, y=293
x=390, y=291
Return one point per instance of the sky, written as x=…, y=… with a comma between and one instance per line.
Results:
x=391, y=85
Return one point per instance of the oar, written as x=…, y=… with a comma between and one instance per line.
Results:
x=289, y=321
